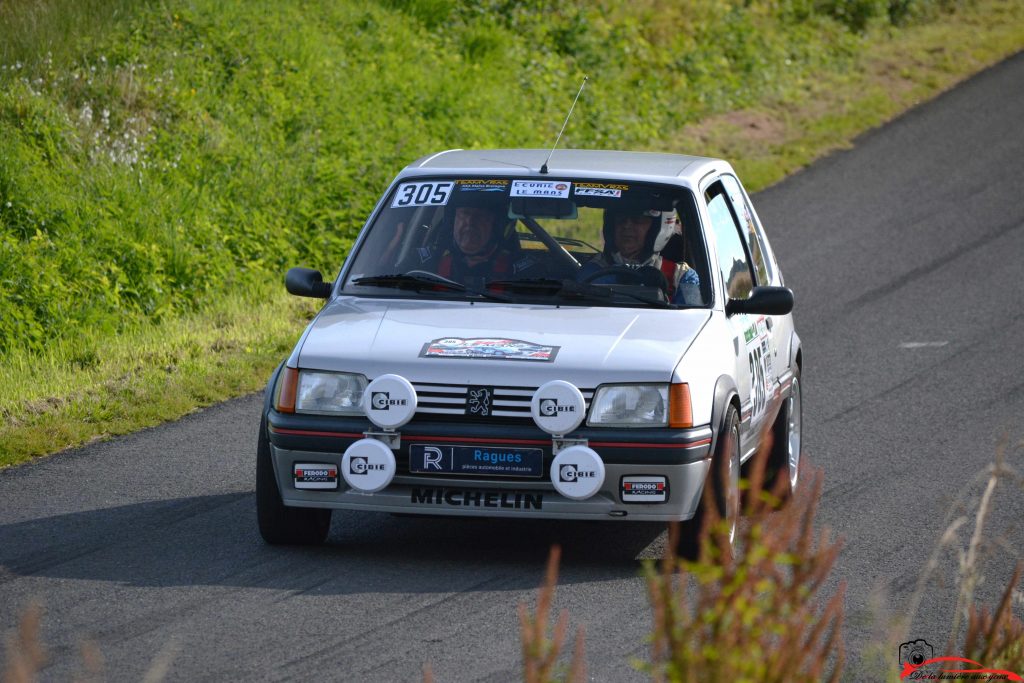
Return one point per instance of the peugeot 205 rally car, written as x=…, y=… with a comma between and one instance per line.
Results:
x=621, y=341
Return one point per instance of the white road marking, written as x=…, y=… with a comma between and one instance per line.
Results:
x=923, y=345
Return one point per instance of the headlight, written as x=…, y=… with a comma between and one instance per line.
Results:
x=323, y=393
x=630, y=405
x=330, y=392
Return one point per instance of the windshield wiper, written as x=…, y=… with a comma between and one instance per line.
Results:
x=419, y=280
x=570, y=288
x=656, y=303
x=534, y=285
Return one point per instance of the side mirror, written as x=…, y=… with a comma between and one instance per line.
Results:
x=763, y=301
x=307, y=282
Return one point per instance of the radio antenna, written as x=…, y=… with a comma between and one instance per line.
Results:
x=544, y=166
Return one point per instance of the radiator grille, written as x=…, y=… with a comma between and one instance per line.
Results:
x=453, y=400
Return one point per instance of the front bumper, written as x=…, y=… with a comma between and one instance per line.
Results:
x=682, y=457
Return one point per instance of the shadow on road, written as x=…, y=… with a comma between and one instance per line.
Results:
x=213, y=541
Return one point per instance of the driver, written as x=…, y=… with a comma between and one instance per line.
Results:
x=475, y=252
x=634, y=239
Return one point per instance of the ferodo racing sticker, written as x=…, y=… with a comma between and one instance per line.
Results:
x=315, y=475
x=762, y=367
x=599, y=189
x=644, y=489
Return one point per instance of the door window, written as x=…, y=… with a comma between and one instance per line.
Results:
x=751, y=234
x=732, y=256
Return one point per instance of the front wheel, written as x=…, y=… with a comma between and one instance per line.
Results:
x=783, y=469
x=724, y=493
x=280, y=524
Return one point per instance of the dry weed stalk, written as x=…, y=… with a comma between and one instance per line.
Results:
x=540, y=653
x=92, y=663
x=26, y=655
x=997, y=639
x=755, y=613
x=25, y=652
x=985, y=633
x=969, y=572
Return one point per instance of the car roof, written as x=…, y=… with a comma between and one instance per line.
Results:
x=579, y=163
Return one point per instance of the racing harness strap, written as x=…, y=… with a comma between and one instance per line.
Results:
x=502, y=264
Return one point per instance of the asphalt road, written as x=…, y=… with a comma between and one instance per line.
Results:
x=907, y=258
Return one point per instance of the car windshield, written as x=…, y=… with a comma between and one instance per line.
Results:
x=564, y=241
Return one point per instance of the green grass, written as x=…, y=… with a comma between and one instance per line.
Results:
x=33, y=29
x=163, y=164
x=77, y=393
x=892, y=73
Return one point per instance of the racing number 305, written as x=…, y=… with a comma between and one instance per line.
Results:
x=758, y=381
x=422, y=194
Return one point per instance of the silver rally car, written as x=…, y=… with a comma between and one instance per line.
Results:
x=597, y=337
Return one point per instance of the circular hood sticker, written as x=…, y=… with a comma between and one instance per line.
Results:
x=489, y=348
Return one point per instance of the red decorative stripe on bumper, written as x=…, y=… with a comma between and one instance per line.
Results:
x=527, y=442
x=309, y=432
x=682, y=444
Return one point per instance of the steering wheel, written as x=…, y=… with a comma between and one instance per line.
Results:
x=634, y=276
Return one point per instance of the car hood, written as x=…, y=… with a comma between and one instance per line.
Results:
x=426, y=341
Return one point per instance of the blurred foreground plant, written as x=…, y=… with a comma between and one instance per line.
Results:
x=25, y=652
x=541, y=651
x=750, y=612
x=25, y=656
x=995, y=640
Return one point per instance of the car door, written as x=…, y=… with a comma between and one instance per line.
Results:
x=778, y=328
x=750, y=332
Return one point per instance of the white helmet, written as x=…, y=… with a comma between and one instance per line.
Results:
x=670, y=225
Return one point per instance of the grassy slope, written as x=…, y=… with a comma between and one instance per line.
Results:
x=144, y=245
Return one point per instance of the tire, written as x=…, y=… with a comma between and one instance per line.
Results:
x=784, y=460
x=280, y=524
x=724, y=480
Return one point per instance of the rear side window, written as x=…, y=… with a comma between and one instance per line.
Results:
x=732, y=256
x=751, y=235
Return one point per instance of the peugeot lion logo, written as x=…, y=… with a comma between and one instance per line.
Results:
x=478, y=401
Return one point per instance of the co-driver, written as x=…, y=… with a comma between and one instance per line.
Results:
x=634, y=239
